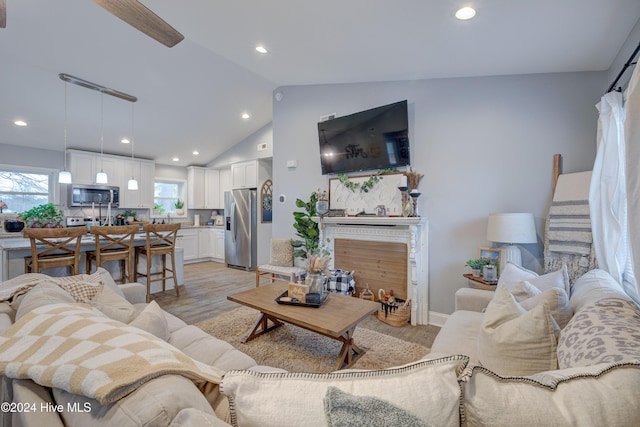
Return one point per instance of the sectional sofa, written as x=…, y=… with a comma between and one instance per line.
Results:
x=538, y=351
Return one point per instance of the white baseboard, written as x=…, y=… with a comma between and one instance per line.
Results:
x=437, y=319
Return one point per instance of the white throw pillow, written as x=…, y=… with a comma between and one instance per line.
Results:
x=44, y=294
x=528, y=296
x=153, y=321
x=513, y=341
x=513, y=274
x=598, y=395
x=594, y=286
x=428, y=389
x=113, y=305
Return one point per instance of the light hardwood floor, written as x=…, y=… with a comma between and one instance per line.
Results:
x=207, y=284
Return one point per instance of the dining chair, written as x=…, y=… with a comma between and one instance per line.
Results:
x=53, y=247
x=161, y=240
x=113, y=244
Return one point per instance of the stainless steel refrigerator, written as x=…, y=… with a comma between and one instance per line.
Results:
x=240, y=214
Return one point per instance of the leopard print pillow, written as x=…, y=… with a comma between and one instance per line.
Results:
x=603, y=332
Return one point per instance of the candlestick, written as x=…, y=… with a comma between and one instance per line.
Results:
x=414, y=195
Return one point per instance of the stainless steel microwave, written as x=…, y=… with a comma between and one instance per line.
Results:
x=98, y=195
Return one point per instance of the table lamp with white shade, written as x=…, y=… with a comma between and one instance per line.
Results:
x=511, y=228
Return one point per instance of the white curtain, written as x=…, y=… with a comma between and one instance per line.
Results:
x=632, y=139
x=608, y=196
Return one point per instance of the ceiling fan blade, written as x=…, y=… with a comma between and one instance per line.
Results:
x=3, y=14
x=142, y=18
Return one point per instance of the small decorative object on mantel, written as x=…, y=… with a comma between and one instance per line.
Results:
x=322, y=205
x=393, y=311
x=414, y=179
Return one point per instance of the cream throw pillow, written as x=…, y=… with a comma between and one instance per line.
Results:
x=428, y=389
x=516, y=342
x=513, y=274
x=528, y=296
x=153, y=321
x=113, y=305
x=281, y=253
x=43, y=294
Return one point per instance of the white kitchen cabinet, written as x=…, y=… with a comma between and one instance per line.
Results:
x=85, y=165
x=204, y=243
x=219, y=244
x=82, y=167
x=113, y=167
x=212, y=189
x=244, y=174
x=196, y=187
x=188, y=240
x=225, y=185
x=144, y=172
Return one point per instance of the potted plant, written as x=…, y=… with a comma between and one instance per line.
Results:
x=306, y=228
x=46, y=215
x=476, y=265
x=158, y=209
x=130, y=216
x=179, y=207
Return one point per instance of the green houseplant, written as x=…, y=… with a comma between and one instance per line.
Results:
x=306, y=228
x=46, y=215
x=179, y=205
x=476, y=265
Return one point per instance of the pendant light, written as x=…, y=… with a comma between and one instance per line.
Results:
x=64, y=177
x=101, y=177
x=132, y=184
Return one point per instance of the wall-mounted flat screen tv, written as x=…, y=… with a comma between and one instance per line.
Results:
x=368, y=140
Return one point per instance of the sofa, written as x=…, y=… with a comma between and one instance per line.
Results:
x=538, y=351
x=183, y=392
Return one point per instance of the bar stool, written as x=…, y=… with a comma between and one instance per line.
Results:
x=53, y=247
x=114, y=244
x=161, y=240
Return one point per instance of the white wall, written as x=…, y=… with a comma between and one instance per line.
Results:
x=484, y=145
x=247, y=149
x=627, y=49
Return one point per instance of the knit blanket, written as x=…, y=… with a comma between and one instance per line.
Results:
x=75, y=348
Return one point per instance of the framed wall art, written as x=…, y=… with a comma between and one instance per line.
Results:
x=266, y=201
x=492, y=254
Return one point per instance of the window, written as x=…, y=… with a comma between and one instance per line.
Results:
x=22, y=189
x=165, y=196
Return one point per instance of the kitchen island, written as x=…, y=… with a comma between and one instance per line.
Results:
x=14, y=250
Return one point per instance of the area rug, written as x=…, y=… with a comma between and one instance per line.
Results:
x=298, y=350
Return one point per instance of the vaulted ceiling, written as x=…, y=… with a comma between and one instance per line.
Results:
x=191, y=96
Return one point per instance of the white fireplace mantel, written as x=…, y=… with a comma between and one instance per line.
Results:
x=412, y=231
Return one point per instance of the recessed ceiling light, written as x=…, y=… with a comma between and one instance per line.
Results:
x=245, y=116
x=125, y=141
x=20, y=123
x=465, y=13
x=175, y=159
x=196, y=152
x=261, y=49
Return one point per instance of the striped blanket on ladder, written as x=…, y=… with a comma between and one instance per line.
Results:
x=568, y=237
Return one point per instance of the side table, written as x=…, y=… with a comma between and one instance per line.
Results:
x=477, y=282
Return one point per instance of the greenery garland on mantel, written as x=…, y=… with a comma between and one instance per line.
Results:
x=368, y=184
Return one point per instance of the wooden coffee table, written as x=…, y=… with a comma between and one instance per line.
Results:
x=337, y=318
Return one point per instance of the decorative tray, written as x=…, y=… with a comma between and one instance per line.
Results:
x=283, y=299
